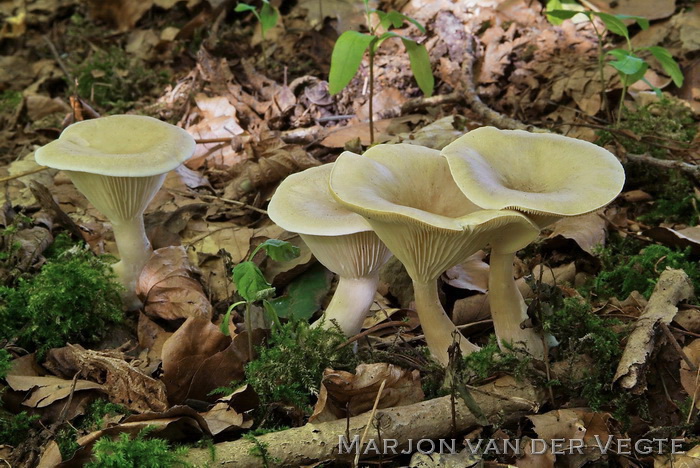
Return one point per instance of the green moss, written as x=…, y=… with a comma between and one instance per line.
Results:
x=67, y=441
x=9, y=100
x=14, y=429
x=97, y=411
x=113, y=80
x=640, y=272
x=289, y=371
x=73, y=299
x=5, y=363
x=675, y=201
x=138, y=452
x=655, y=126
x=581, y=332
x=490, y=360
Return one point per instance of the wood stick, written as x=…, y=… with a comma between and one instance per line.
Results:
x=429, y=419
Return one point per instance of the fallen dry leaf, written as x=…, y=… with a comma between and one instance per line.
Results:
x=472, y=274
x=230, y=413
x=345, y=394
x=123, y=383
x=683, y=238
x=690, y=380
x=168, y=289
x=198, y=358
x=44, y=391
x=587, y=231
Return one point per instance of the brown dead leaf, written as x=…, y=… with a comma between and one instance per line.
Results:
x=47, y=390
x=209, y=238
x=472, y=274
x=170, y=292
x=346, y=394
x=650, y=9
x=689, y=459
x=123, y=383
x=151, y=337
x=587, y=231
x=230, y=413
x=339, y=137
x=688, y=318
x=689, y=378
x=122, y=14
x=683, y=238
x=198, y=358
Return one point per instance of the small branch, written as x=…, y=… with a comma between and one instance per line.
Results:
x=677, y=347
x=429, y=419
x=225, y=200
x=690, y=169
x=22, y=174
x=369, y=423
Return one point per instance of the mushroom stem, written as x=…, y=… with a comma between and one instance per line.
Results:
x=134, y=252
x=508, y=309
x=352, y=299
x=440, y=332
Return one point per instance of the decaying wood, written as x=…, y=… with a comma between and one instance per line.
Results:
x=431, y=419
x=673, y=286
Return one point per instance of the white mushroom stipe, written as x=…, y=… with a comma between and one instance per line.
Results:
x=546, y=176
x=341, y=240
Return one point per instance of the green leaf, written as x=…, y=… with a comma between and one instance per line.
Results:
x=420, y=65
x=346, y=59
x=626, y=62
x=640, y=20
x=244, y=7
x=268, y=17
x=614, y=24
x=668, y=63
x=304, y=295
x=224, y=323
x=279, y=250
x=557, y=17
x=250, y=282
x=396, y=19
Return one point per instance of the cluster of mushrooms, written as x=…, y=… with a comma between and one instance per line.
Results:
x=433, y=209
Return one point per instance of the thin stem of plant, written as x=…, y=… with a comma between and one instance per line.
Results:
x=369, y=423
x=371, y=94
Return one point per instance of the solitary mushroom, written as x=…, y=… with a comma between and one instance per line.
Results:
x=407, y=195
x=546, y=176
x=340, y=239
x=119, y=163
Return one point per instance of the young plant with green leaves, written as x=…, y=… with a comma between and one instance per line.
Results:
x=252, y=285
x=627, y=61
x=267, y=16
x=350, y=48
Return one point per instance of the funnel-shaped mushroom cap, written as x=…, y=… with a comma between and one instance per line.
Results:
x=340, y=239
x=119, y=146
x=303, y=203
x=538, y=173
x=407, y=194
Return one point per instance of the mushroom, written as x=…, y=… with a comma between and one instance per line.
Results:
x=407, y=195
x=119, y=163
x=548, y=177
x=340, y=239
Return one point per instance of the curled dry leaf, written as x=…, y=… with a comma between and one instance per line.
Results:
x=43, y=391
x=587, y=231
x=217, y=119
x=569, y=424
x=230, y=413
x=170, y=292
x=682, y=238
x=123, y=383
x=345, y=394
x=690, y=379
x=151, y=339
x=198, y=358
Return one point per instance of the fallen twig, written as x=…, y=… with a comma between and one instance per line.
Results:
x=425, y=420
x=673, y=286
x=690, y=169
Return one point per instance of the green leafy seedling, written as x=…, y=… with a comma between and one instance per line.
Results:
x=629, y=65
x=351, y=46
x=252, y=285
x=267, y=16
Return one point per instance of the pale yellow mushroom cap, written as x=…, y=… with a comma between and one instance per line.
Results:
x=407, y=194
x=119, y=146
x=303, y=203
x=539, y=173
